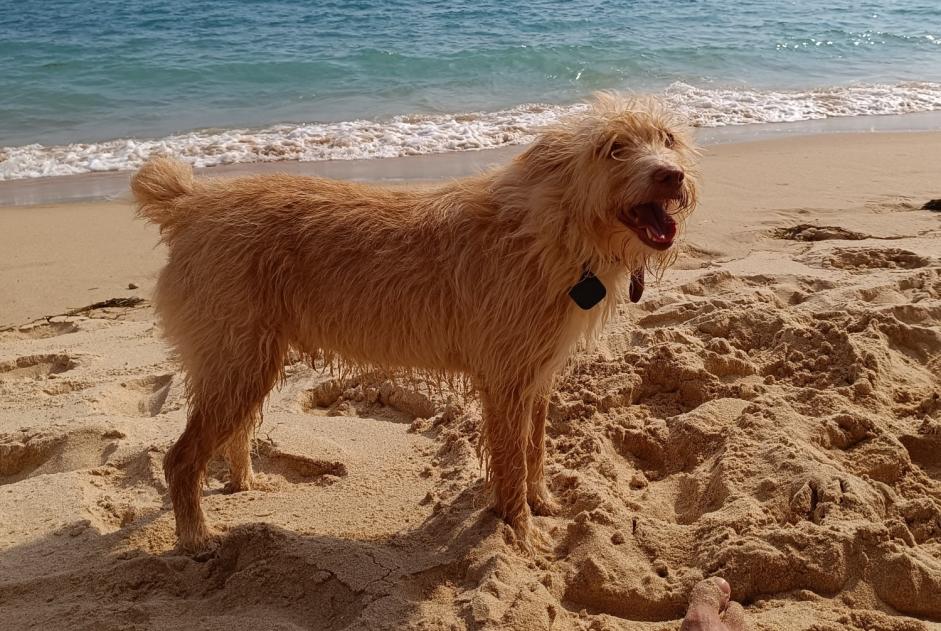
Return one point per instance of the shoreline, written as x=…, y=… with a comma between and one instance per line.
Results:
x=113, y=185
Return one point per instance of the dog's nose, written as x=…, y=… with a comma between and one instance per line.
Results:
x=668, y=176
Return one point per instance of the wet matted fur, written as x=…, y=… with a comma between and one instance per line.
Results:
x=469, y=278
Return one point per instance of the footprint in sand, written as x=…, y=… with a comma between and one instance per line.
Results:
x=923, y=448
x=270, y=460
x=65, y=386
x=145, y=396
x=294, y=467
x=24, y=455
x=924, y=284
x=875, y=258
x=39, y=330
x=35, y=366
x=808, y=232
x=845, y=431
x=343, y=397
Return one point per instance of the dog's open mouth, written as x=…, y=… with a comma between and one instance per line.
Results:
x=655, y=227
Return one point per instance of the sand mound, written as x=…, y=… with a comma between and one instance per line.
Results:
x=783, y=448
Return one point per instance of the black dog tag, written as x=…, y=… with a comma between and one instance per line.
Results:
x=588, y=292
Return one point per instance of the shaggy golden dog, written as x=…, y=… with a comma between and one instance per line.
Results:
x=495, y=277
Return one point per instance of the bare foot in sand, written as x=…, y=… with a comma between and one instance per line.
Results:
x=710, y=609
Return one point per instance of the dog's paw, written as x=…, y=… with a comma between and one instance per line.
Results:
x=519, y=541
x=540, y=500
x=526, y=537
x=251, y=483
x=200, y=547
x=543, y=505
x=529, y=541
x=237, y=486
x=209, y=551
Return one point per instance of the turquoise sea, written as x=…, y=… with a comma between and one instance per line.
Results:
x=91, y=86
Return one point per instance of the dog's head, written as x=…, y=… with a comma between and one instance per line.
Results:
x=623, y=173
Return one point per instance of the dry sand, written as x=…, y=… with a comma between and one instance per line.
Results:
x=769, y=413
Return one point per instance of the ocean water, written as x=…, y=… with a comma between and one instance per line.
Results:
x=95, y=86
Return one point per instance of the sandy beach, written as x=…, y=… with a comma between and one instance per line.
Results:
x=768, y=413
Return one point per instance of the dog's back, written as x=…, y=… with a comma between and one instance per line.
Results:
x=395, y=278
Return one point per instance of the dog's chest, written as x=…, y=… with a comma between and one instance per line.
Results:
x=585, y=323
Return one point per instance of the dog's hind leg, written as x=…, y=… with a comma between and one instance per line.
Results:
x=537, y=493
x=185, y=468
x=226, y=394
x=238, y=455
x=506, y=430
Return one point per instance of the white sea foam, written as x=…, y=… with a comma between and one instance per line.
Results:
x=718, y=107
x=421, y=134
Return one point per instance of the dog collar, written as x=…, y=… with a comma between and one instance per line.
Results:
x=588, y=291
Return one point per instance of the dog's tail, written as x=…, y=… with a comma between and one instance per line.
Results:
x=157, y=185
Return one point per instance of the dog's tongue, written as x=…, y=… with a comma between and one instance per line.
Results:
x=660, y=227
x=637, y=285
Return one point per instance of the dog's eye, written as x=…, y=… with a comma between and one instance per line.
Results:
x=669, y=139
x=620, y=149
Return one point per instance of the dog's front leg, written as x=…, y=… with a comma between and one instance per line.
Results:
x=537, y=493
x=507, y=422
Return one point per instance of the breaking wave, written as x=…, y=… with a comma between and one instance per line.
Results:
x=424, y=134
